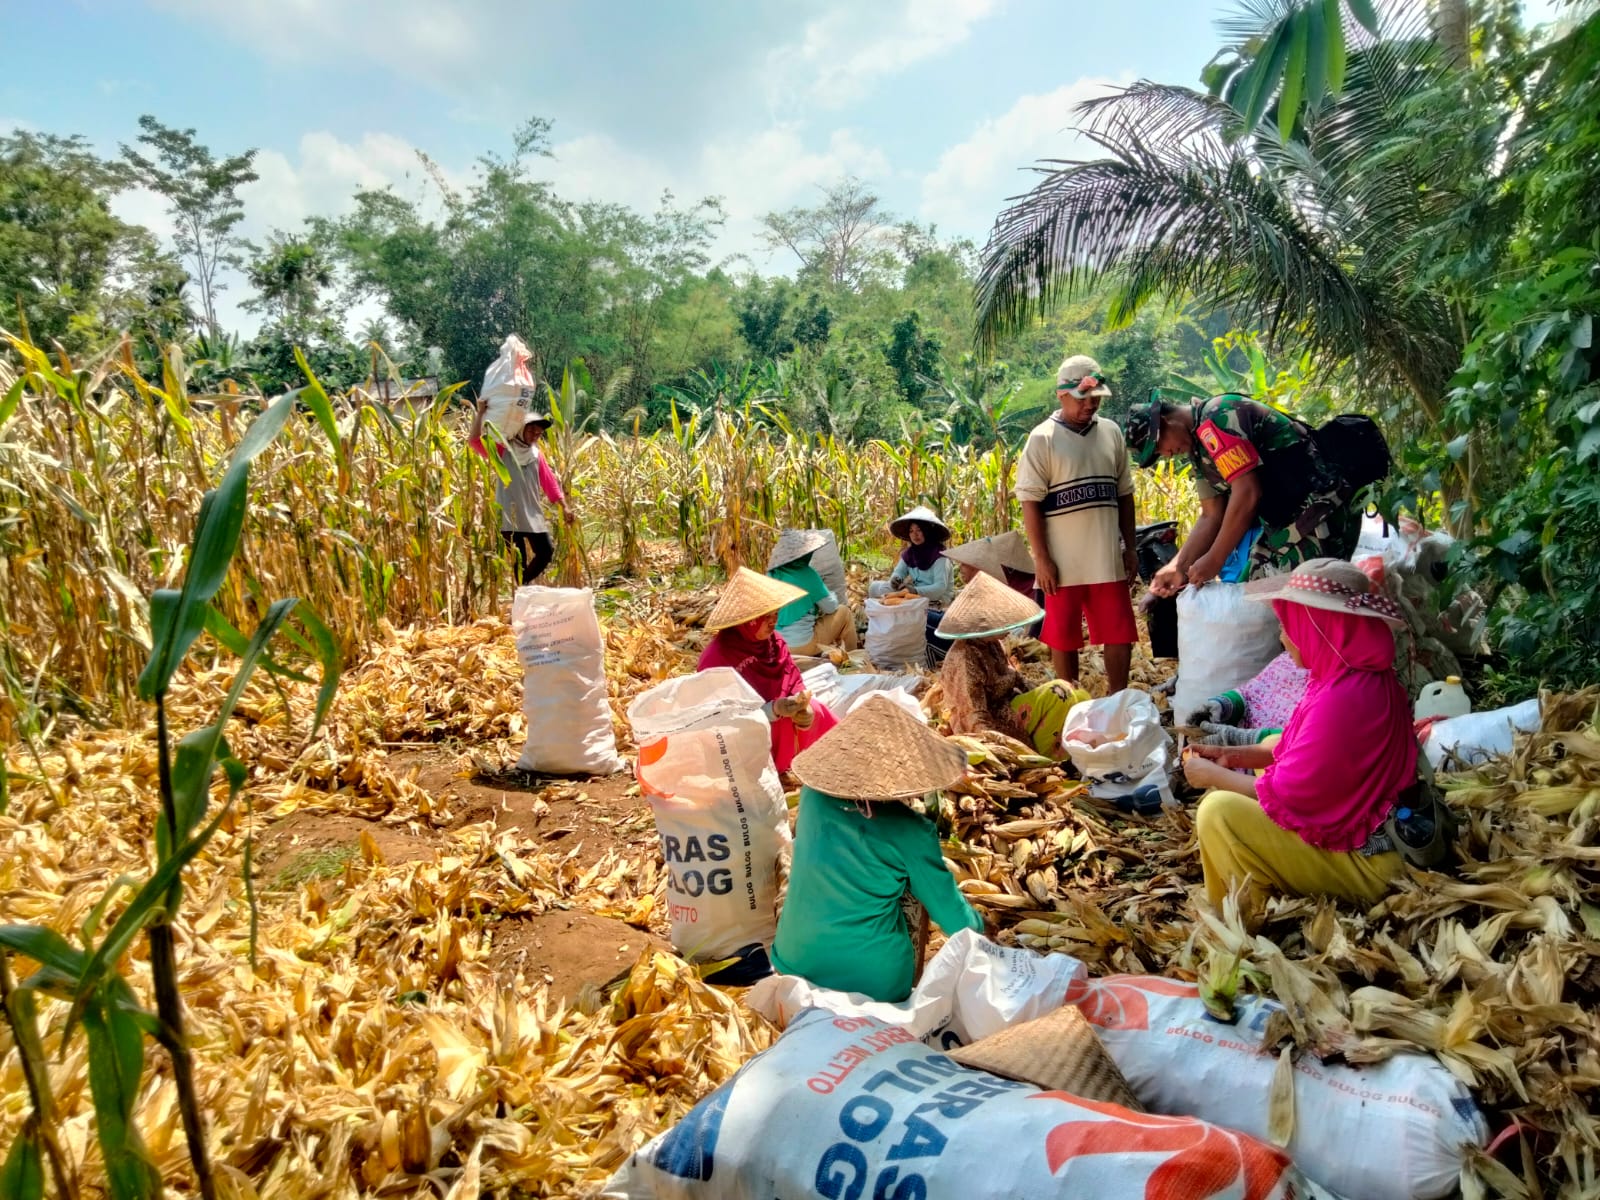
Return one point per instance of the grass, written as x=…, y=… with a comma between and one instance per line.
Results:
x=319, y=862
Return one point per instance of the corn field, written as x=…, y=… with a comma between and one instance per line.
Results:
x=380, y=517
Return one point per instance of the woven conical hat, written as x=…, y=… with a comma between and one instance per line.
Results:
x=985, y=608
x=1014, y=552
x=1060, y=1052
x=880, y=752
x=795, y=543
x=749, y=596
x=922, y=515
x=983, y=554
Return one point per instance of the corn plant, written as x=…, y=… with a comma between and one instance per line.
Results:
x=102, y=1003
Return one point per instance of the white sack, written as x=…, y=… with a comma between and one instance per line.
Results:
x=563, y=683
x=705, y=765
x=855, y=1108
x=1409, y=1115
x=827, y=563
x=510, y=390
x=1224, y=640
x=1119, y=767
x=897, y=633
x=1477, y=737
x=841, y=693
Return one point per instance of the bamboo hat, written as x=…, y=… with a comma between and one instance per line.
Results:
x=1059, y=1052
x=795, y=543
x=880, y=752
x=995, y=555
x=920, y=515
x=1330, y=584
x=985, y=608
x=748, y=596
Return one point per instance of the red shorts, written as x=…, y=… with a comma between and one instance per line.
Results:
x=1108, y=606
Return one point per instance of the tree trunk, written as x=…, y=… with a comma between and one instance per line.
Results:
x=1452, y=28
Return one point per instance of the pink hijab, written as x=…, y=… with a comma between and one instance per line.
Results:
x=1349, y=750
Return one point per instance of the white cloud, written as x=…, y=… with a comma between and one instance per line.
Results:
x=301, y=30
x=843, y=52
x=973, y=178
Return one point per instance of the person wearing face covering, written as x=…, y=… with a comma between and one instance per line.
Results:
x=1313, y=822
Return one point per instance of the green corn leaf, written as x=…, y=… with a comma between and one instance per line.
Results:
x=197, y=752
x=12, y=398
x=229, y=638
x=316, y=399
x=1365, y=12
x=44, y=946
x=116, y=1062
x=91, y=923
x=1294, y=73
x=327, y=655
x=22, y=1174
x=176, y=622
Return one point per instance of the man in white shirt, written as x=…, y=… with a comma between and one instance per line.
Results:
x=1076, y=488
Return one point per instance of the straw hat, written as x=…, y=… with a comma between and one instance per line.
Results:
x=748, y=596
x=880, y=752
x=1330, y=584
x=1059, y=1052
x=795, y=543
x=1014, y=552
x=995, y=555
x=921, y=515
x=985, y=608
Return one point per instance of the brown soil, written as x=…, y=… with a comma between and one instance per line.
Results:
x=567, y=950
x=309, y=844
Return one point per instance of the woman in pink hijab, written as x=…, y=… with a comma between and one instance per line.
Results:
x=1311, y=823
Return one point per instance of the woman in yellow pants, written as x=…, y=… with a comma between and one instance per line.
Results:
x=1311, y=823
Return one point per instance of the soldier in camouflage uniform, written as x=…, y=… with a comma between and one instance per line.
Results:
x=1252, y=464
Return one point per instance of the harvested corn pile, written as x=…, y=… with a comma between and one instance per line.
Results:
x=384, y=1045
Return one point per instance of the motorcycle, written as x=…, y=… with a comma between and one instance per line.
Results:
x=1155, y=545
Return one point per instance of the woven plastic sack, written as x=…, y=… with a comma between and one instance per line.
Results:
x=827, y=563
x=897, y=633
x=563, y=683
x=1137, y=750
x=854, y=1107
x=705, y=765
x=510, y=390
x=1224, y=640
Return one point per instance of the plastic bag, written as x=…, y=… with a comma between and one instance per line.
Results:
x=841, y=693
x=705, y=765
x=897, y=633
x=1476, y=737
x=854, y=1107
x=563, y=683
x=1224, y=640
x=509, y=389
x=1137, y=747
x=1408, y=1114
x=971, y=988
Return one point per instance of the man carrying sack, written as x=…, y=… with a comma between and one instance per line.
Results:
x=1076, y=490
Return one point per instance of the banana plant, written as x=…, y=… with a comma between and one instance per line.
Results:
x=102, y=1003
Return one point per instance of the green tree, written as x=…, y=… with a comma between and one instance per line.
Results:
x=289, y=275
x=844, y=242
x=202, y=194
x=913, y=355
x=68, y=267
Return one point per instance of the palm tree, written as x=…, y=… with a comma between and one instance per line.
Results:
x=1317, y=239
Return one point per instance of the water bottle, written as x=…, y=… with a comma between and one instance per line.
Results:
x=1416, y=828
x=1446, y=698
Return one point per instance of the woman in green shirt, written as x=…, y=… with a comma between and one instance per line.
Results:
x=858, y=847
x=818, y=618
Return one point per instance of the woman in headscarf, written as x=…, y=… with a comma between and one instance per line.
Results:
x=523, y=526
x=922, y=568
x=1313, y=822
x=981, y=687
x=1005, y=557
x=745, y=620
x=859, y=847
x=816, y=618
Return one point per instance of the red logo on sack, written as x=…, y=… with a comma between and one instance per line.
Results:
x=1118, y=1001
x=1205, y=1159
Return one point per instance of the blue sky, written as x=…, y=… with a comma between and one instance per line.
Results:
x=936, y=104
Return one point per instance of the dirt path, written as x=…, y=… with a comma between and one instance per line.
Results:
x=572, y=950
